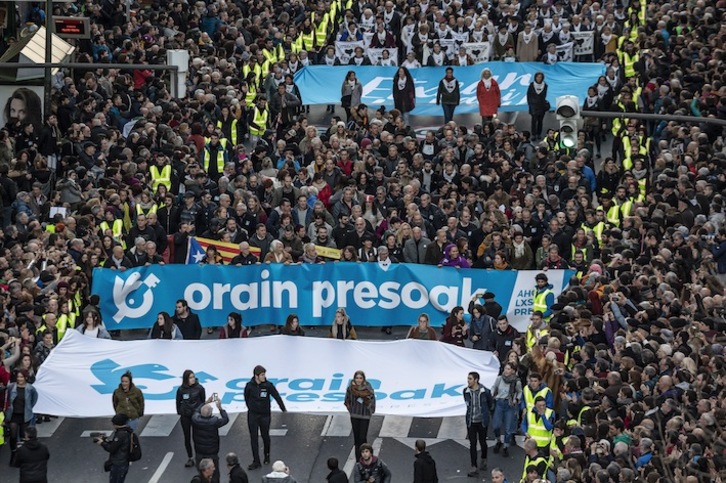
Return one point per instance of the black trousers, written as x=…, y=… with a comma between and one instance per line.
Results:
x=360, y=433
x=186, y=424
x=259, y=424
x=537, y=122
x=475, y=432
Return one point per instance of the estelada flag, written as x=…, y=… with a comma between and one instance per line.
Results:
x=227, y=250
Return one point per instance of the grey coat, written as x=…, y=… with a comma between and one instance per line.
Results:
x=355, y=92
x=410, y=248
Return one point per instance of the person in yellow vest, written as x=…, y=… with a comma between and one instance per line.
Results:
x=307, y=34
x=625, y=205
x=113, y=226
x=229, y=124
x=538, y=424
x=259, y=119
x=535, y=388
x=146, y=204
x=321, y=30
x=594, y=225
x=535, y=464
x=629, y=58
x=50, y=324
x=544, y=297
x=610, y=209
x=215, y=156
x=536, y=330
x=160, y=174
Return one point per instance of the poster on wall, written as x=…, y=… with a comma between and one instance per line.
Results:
x=22, y=104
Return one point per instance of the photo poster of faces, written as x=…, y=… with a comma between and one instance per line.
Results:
x=345, y=50
x=22, y=104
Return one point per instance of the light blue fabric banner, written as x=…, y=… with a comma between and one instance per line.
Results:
x=321, y=84
x=265, y=294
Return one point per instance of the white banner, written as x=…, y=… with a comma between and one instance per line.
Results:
x=479, y=51
x=311, y=374
x=345, y=50
x=374, y=54
x=584, y=42
x=564, y=52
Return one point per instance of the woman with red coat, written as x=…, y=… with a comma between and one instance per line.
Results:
x=404, y=93
x=488, y=95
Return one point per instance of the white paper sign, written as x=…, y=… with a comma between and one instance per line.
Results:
x=564, y=52
x=584, y=42
x=375, y=55
x=478, y=51
x=345, y=50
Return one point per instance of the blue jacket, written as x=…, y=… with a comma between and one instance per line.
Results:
x=486, y=403
x=31, y=398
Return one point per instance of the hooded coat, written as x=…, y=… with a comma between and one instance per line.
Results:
x=32, y=459
x=424, y=469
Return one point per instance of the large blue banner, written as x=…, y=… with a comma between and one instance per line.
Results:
x=266, y=294
x=321, y=84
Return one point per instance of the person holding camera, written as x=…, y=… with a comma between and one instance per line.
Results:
x=205, y=427
x=118, y=446
x=456, y=329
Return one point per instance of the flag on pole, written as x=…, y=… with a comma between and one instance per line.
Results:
x=198, y=248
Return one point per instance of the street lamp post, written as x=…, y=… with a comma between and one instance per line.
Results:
x=48, y=55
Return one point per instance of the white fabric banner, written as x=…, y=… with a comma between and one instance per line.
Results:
x=584, y=42
x=564, y=52
x=345, y=50
x=450, y=46
x=410, y=377
x=479, y=51
x=374, y=54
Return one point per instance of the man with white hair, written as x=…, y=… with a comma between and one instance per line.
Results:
x=206, y=433
x=280, y=474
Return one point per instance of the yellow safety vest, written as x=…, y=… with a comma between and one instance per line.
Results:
x=260, y=119
x=251, y=94
x=321, y=32
x=578, y=421
x=232, y=129
x=307, y=40
x=160, y=177
x=74, y=305
x=642, y=184
x=2, y=428
x=280, y=52
x=117, y=231
x=270, y=55
x=126, y=208
x=536, y=428
x=575, y=250
x=65, y=321
x=596, y=230
x=626, y=208
x=613, y=215
x=296, y=45
x=529, y=397
x=220, y=156
x=528, y=462
x=141, y=211
x=628, y=62
x=532, y=337
x=540, y=303
x=257, y=69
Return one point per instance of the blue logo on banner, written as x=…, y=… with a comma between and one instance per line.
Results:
x=320, y=84
x=109, y=372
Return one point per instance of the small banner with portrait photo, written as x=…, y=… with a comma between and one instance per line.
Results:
x=375, y=56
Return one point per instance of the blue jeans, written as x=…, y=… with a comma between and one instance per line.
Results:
x=448, y=112
x=504, y=419
x=133, y=424
x=118, y=474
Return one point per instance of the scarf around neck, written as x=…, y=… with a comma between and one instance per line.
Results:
x=449, y=85
x=538, y=88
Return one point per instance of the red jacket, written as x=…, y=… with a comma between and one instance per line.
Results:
x=489, y=100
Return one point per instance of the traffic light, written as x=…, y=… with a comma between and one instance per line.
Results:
x=568, y=115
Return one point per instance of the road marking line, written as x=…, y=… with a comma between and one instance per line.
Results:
x=162, y=467
x=47, y=429
x=160, y=425
x=278, y=432
x=395, y=427
x=350, y=462
x=224, y=430
x=337, y=425
x=452, y=428
x=87, y=434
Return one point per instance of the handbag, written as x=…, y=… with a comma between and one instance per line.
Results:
x=346, y=100
x=548, y=106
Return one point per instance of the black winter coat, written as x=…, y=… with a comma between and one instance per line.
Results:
x=337, y=476
x=206, y=432
x=32, y=459
x=257, y=397
x=237, y=475
x=537, y=102
x=189, y=399
x=119, y=446
x=424, y=469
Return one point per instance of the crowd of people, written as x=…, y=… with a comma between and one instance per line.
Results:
x=622, y=375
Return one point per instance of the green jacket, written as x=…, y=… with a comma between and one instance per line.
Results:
x=130, y=403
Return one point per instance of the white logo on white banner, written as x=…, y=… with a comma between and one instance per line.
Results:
x=584, y=42
x=345, y=50
x=133, y=307
x=479, y=51
x=310, y=373
x=564, y=52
